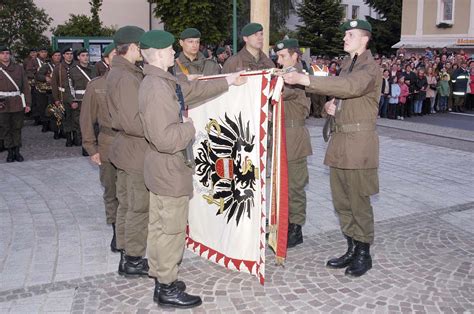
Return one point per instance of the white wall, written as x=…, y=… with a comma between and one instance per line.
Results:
x=113, y=12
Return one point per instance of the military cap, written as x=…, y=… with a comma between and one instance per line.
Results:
x=156, y=39
x=356, y=24
x=108, y=49
x=286, y=43
x=220, y=50
x=128, y=35
x=81, y=50
x=190, y=33
x=67, y=49
x=56, y=51
x=33, y=50
x=43, y=49
x=251, y=28
x=4, y=48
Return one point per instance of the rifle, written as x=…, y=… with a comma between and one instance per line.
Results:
x=330, y=124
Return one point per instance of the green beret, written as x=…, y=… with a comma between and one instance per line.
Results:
x=81, y=50
x=251, y=28
x=156, y=39
x=110, y=47
x=220, y=50
x=356, y=24
x=286, y=43
x=67, y=49
x=128, y=35
x=4, y=48
x=190, y=33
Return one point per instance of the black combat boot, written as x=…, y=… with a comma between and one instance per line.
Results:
x=295, y=235
x=77, y=138
x=346, y=259
x=180, y=284
x=11, y=155
x=56, y=135
x=172, y=296
x=113, y=243
x=121, y=268
x=2, y=146
x=69, y=139
x=362, y=261
x=18, y=156
x=45, y=127
x=135, y=266
x=84, y=152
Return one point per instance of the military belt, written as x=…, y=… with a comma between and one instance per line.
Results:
x=357, y=127
x=126, y=134
x=106, y=130
x=80, y=92
x=10, y=94
x=294, y=123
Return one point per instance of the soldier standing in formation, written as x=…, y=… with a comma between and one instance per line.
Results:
x=80, y=74
x=32, y=68
x=127, y=152
x=167, y=176
x=298, y=142
x=103, y=65
x=94, y=111
x=44, y=97
x=15, y=100
x=191, y=61
x=353, y=150
x=250, y=57
x=61, y=79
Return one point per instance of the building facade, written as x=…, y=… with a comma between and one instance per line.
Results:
x=437, y=24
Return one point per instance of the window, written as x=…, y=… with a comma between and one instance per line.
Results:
x=445, y=12
x=355, y=12
x=345, y=9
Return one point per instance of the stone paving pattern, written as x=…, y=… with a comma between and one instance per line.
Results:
x=54, y=254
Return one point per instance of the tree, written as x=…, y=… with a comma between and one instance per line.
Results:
x=212, y=18
x=22, y=25
x=386, y=31
x=83, y=25
x=320, y=30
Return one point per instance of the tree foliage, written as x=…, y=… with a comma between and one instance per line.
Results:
x=212, y=18
x=386, y=31
x=320, y=30
x=83, y=25
x=22, y=24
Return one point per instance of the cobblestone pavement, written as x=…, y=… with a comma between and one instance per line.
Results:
x=54, y=254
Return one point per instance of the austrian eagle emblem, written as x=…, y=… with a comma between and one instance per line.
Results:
x=225, y=168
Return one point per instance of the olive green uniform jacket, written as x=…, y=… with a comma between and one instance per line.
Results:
x=127, y=151
x=14, y=104
x=199, y=66
x=245, y=61
x=60, y=80
x=360, y=94
x=166, y=173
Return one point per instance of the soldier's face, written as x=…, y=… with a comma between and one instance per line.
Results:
x=5, y=56
x=43, y=54
x=166, y=56
x=56, y=57
x=255, y=41
x=68, y=56
x=354, y=40
x=285, y=59
x=190, y=45
x=33, y=54
x=83, y=57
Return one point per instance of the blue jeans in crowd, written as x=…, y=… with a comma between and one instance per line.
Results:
x=417, y=106
x=443, y=103
x=383, y=104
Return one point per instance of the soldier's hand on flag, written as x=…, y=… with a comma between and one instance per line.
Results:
x=330, y=107
x=192, y=77
x=294, y=78
x=96, y=159
x=236, y=79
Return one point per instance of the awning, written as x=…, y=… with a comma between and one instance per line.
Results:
x=449, y=43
